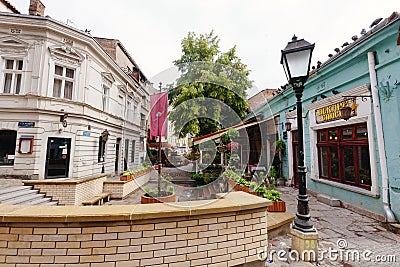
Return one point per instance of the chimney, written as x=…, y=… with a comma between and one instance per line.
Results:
x=36, y=8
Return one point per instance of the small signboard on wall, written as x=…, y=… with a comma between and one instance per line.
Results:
x=26, y=144
x=26, y=124
x=332, y=112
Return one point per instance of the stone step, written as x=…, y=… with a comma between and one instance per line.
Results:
x=17, y=193
x=51, y=203
x=24, y=195
x=24, y=199
x=41, y=201
x=333, y=202
x=14, y=189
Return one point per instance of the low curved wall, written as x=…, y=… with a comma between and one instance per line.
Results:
x=70, y=191
x=227, y=232
x=122, y=189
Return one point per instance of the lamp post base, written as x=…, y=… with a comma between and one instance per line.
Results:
x=305, y=243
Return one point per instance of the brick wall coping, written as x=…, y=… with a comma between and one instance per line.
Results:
x=64, y=180
x=231, y=202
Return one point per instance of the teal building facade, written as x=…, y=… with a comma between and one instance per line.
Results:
x=355, y=160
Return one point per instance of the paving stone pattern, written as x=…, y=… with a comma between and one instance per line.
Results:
x=361, y=233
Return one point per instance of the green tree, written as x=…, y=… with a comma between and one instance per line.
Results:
x=206, y=72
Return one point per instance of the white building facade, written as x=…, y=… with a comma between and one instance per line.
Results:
x=71, y=105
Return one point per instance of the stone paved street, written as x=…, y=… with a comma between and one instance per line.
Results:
x=362, y=235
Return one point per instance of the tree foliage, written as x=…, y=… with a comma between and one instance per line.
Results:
x=207, y=73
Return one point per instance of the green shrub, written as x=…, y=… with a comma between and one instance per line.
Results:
x=272, y=195
x=261, y=189
x=252, y=185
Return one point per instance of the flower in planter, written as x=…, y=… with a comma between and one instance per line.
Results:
x=233, y=146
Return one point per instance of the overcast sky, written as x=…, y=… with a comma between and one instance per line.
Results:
x=152, y=30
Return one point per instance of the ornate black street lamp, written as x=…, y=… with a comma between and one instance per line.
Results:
x=288, y=126
x=296, y=59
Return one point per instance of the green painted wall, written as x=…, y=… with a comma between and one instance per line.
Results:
x=346, y=72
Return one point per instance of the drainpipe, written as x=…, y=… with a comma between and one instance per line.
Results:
x=381, y=143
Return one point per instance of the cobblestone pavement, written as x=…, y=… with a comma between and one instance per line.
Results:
x=360, y=235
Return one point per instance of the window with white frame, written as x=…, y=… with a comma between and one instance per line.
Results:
x=106, y=97
x=12, y=76
x=135, y=110
x=133, y=151
x=130, y=112
x=63, y=85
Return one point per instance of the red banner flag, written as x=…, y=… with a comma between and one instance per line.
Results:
x=158, y=114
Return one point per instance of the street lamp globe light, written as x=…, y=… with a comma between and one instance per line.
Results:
x=296, y=59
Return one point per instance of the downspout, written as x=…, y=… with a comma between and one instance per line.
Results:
x=381, y=143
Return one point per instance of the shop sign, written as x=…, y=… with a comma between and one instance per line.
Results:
x=332, y=112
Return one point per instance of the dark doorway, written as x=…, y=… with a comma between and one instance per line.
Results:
x=126, y=154
x=58, y=156
x=117, y=154
x=295, y=145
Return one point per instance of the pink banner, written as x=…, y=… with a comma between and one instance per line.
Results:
x=158, y=114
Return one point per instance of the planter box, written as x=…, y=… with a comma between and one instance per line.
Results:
x=277, y=206
x=133, y=176
x=148, y=200
x=125, y=178
x=240, y=188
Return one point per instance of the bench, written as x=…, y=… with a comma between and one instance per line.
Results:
x=99, y=200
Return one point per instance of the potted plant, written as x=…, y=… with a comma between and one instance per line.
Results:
x=280, y=147
x=198, y=177
x=260, y=190
x=126, y=176
x=229, y=136
x=252, y=186
x=193, y=156
x=156, y=196
x=277, y=203
x=129, y=175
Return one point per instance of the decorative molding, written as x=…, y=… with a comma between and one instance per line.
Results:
x=122, y=88
x=66, y=53
x=12, y=44
x=108, y=78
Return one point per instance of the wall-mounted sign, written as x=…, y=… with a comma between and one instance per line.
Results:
x=86, y=134
x=26, y=124
x=26, y=144
x=332, y=112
